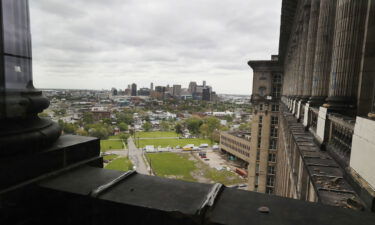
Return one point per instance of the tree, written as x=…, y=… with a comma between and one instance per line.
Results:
x=164, y=126
x=193, y=124
x=107, y=121
x=125, y=117
x=87, y=118
x=228, y=118
x=179, y=128
x=99, y=132
x=43, y=114
x=123, y=126
x=245, y=127
x=81, y=132
x=210, y=125
x=204, y=130
x=124, y=136
x=147, y=126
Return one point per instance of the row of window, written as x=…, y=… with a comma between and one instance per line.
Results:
x=231, y=141
x=276, y=85
x=274, y=107
x=237, y=146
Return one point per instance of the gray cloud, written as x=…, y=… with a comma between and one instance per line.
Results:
x=100, y=44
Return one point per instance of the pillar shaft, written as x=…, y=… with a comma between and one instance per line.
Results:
x=323, y=51
x=347, y=54
x=311, y=46
x=303, y=46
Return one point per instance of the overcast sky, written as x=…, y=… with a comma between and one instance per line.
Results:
x=99, y=44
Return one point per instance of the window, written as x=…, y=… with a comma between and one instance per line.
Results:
x=273, y=132
x=258, y=154
x=271, y=157
x=259, y=141
x=271, y=170
x=273, y=144
x=260, y=107
x=257, y=168
x=275, y=108
x=269, y=190
x=274, y=120
x=270, y=181
x=260, y=119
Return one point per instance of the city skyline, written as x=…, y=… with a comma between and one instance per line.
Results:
x=101, y=46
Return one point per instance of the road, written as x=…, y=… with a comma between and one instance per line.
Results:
x=135, y=156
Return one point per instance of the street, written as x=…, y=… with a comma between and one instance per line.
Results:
x=135, y=156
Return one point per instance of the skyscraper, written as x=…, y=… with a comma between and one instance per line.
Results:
x=176, y=90
x=134, y=90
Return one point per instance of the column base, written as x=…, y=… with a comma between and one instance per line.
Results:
x=317, y=100
x=27, y=135
x=342, y=105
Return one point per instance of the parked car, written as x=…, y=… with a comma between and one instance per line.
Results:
x=203, y=146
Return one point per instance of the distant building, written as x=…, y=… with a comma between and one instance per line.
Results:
x=152, y=86
x=206, y=94
x=144, y=92
x=159, y=93
x=100, y=113
x=192, y=87
x=114, y=91
x=134, y=90
x=176, y=90
x=128, y=91
x=236, y=144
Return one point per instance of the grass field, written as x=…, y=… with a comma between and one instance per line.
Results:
x=180, y=166
x=106, y=145
x=171, y=142
x=172, y=165
x=120, y=164
x=156, y=134
x=110, y=157
x=223, y=177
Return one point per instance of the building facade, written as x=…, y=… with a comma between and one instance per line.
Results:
x=325, y=125
x=236, y=144
x=266, y=93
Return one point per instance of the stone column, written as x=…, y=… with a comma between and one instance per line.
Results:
x=347, y=53
x=292, y=64
x=366, y=95
x=311, y=46
x=303, y=46
x=323, y=52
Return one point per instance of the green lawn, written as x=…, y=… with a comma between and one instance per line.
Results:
x=120, y=164
x=180, y=166
x=106, y=145
x=223, y=177
x=110, y=157
x=172, y=165
x=156, y=134
x=171, y=142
